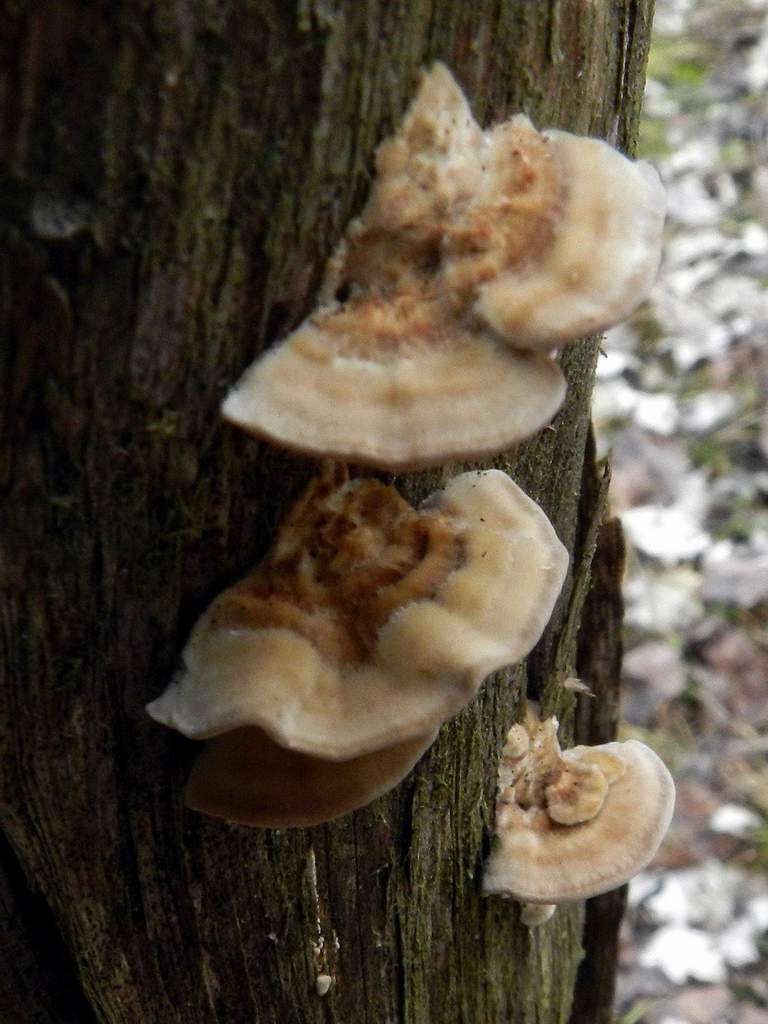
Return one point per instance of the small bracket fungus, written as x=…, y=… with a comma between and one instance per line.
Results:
x=366, y=626
x=571, y=824
x=475, y=248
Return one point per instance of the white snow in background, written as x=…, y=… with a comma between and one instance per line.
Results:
x=663, y=602
x=756, y=71
x=704, y=926
x=657, y=413
x=615, y=400
x=704, y=895
x=681, y=400
x=613, y=362
x=733, y=820
x=706, y=411
x=735, y=574
x=670, y=535
x=682, y=953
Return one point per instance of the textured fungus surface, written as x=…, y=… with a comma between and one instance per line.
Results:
x=370, y=622
x=599, y=258
x=474, y=249
x=125, y=503
x=575, y=823
x=396, y=383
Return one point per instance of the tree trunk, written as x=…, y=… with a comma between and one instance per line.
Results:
x=174, y=175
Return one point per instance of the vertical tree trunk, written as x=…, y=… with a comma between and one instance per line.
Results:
x=174, y=175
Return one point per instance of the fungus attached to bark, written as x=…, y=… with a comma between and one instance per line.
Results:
x=369, y=622
x=367, y=625
x=244, y=776
x=394, y=383
x=474, y=248
x=604, y=244
x=571, y=824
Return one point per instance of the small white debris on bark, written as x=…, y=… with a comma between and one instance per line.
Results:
x=323, y=983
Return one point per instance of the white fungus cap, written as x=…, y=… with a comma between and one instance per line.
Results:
x=538, y=859
x=603, y=256
x=370, y=623
x=473, y=249
x=430, y=392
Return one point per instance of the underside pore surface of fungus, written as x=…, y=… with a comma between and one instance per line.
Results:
x=244, y=776
x=369, y=622
x=477, y=253
x=571, y=824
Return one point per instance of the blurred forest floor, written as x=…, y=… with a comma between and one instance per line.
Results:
x=682, y=402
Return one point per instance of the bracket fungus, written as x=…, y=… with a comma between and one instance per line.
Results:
x=367, y=625
x=475, y=249
x=571, y=824
x=245, y=777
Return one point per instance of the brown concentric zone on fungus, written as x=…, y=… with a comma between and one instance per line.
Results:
x=348, y=555
x=519, y=217
x=415, y=281
x=395, y=368
x=383, y=329
x=370, y=623
x=575, y=823
x=477, y=253
x=569, y=788
x=438, y=227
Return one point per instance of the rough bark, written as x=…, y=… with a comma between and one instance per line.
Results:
x=174, y=174
x=598, y=659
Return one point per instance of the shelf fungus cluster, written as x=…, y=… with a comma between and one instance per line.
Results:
x=477, y=254
x=321, y=677
x=571, y=824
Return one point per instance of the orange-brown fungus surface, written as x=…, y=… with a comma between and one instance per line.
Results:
x=438, y=235
x=346, y=558
x=570, y=788
x=518, y=216
x=414, y=284
x=383, y=330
